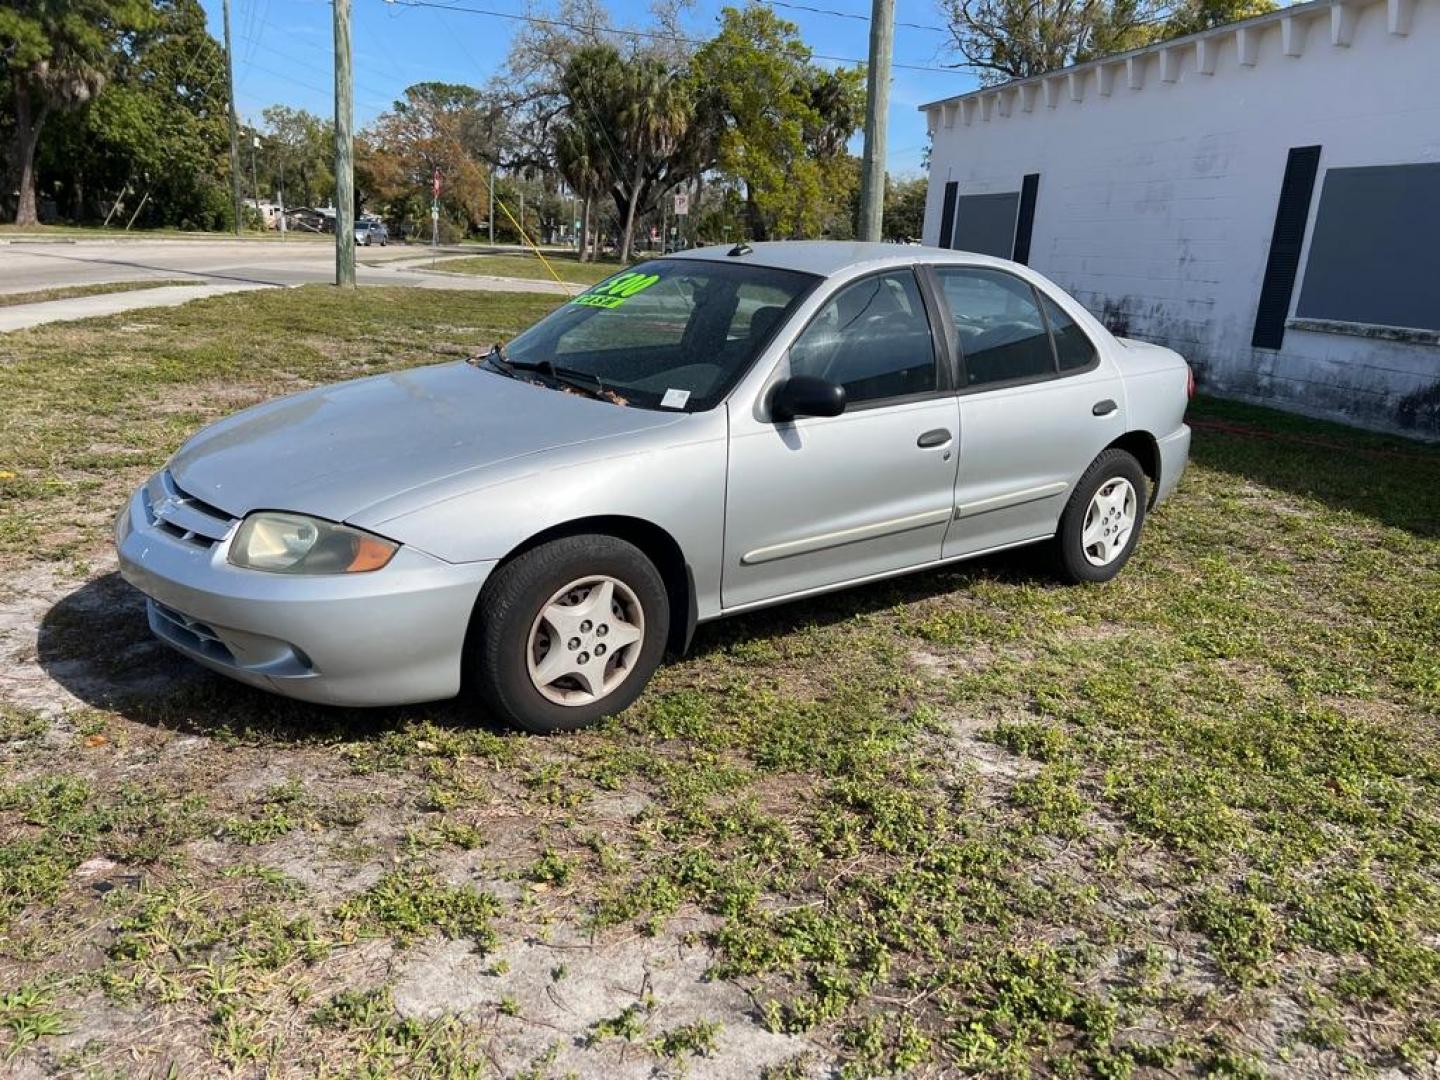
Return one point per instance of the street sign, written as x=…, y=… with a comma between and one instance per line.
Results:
x=435, y=183
x=682, y=203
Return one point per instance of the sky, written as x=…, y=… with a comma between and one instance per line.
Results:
x=284, y=52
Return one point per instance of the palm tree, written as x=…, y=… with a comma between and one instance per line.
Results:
x=837, y=102
x=582, y=165
x=654, y=117
x=585, y=148
x=637, y=128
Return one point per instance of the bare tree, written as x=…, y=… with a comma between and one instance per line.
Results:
x=529, y=91
x=1015, y=39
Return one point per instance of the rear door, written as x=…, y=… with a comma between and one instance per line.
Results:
x=1037, y=404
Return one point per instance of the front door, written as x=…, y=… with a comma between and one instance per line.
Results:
x=819, y=501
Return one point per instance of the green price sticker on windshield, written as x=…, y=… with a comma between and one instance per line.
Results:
x=613, y=293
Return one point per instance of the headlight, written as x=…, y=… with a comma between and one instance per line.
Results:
x=296, y=544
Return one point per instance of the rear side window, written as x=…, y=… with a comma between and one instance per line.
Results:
x=873, y=338
x=1072, y=348
x=1001, y=332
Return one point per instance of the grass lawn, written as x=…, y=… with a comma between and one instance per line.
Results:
x=70, y=292
x=567, y=266
x=965, y=822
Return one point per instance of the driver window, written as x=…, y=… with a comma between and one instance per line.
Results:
x=1001, y=332
x=873, y=338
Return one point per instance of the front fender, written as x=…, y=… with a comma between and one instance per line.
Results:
x=673, y=478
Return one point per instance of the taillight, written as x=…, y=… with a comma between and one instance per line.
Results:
x=1189, y=382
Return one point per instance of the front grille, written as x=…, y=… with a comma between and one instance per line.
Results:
x=177, y=513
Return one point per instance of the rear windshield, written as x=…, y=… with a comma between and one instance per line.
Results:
x=670, y=333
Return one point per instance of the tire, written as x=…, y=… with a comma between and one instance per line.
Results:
x=1101, y=559
x=515, y=635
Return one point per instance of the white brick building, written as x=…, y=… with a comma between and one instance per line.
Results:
x=1264, y=197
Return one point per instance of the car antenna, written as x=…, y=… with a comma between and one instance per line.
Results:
x=742, y=248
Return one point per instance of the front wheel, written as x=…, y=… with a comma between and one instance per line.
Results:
x=1102, y=521
x=570, y=632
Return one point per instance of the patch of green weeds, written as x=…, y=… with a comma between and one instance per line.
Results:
x=279, y=811
x=697, y=1039
x=552, y=868
x=406, y=904
x=383, y=1043
x=27, y=1015
x=63, y=820
x=629, y=1024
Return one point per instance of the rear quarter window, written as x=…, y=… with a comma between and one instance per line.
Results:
x=1073, y=347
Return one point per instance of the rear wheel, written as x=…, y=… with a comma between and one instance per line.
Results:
x=570, y=632
x=1101, y=524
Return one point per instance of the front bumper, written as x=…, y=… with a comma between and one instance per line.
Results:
x=388, y=637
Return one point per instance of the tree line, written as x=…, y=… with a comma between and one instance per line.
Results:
x=116, y=110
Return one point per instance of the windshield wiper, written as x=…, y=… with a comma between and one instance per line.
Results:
x=573, y=378
x=584, y=381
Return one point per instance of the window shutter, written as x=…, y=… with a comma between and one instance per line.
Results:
x=947, y=215
x=1284, y=261
x=1029, y=188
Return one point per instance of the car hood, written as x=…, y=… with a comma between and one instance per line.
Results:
x=336, y=450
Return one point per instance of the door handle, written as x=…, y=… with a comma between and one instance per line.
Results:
x=934, y=437
x=1104, y=408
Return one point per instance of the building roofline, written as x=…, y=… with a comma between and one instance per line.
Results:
x=1295, y=14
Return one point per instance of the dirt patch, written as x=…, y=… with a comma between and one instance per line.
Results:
x=550, y=991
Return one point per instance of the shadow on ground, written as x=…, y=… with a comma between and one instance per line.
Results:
x=95, y=643
x=1378, y=476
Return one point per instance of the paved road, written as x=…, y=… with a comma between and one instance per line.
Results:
x=27, y=266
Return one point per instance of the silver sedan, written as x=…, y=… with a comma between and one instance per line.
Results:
x=702, y=434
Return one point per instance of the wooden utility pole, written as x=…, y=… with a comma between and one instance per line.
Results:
x=234, y=145
x=254, y=183
x=344, y=151
x=877, y=114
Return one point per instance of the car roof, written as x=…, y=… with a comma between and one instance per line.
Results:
x=829, y=257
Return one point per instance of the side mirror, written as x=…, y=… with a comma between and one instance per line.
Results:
x=806, y=395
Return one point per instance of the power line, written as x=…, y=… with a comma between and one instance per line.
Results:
x=374, y=94
x=649, y=35
x=306, y=85
x=853, y=15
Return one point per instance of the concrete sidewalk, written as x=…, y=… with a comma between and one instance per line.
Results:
x=435, y=278
x=22, y=316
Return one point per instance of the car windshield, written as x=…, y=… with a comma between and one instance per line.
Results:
x=670, y=333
